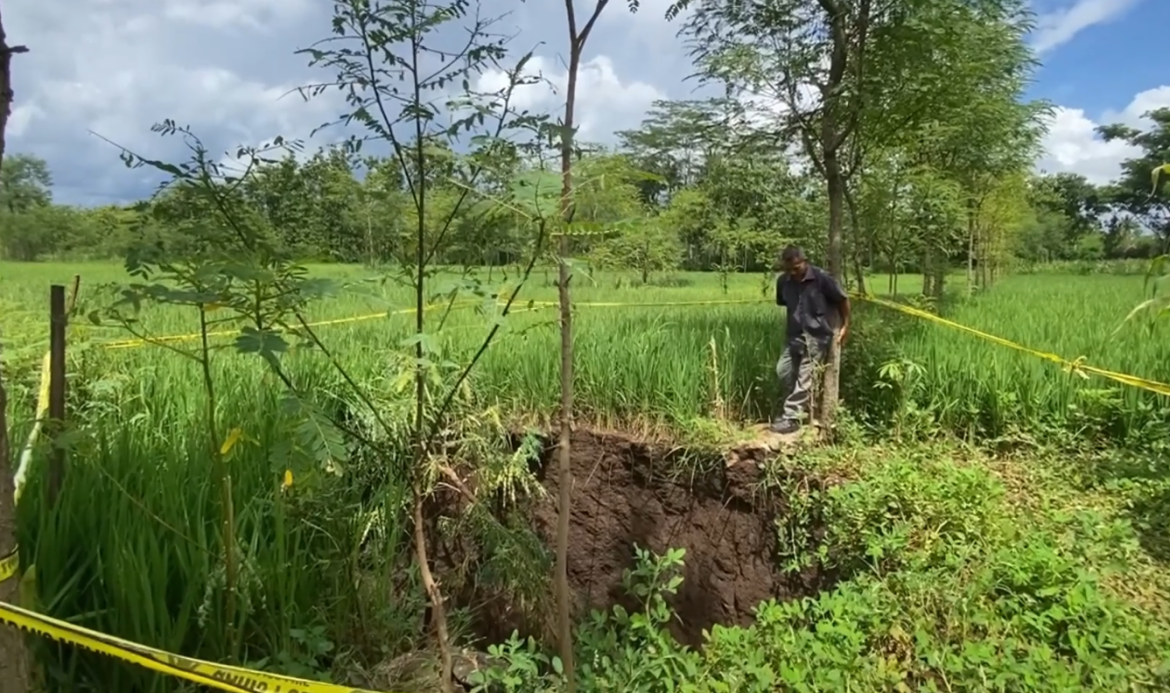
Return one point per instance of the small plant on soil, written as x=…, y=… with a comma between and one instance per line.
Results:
x=633, y=650
x=627, y=650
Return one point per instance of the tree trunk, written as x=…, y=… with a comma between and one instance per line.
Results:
x=830, y=389
x=971, y=230
x=857, y=245
x=927, y=271
x=939, y=271
x=14, y=660
x=565, y=462
x=984, y=256
x=564, y=451
x=859, y=270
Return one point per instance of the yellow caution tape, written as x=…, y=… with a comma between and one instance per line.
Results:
x=610, y=304
x=135, y=343
x=167, y=339
x=219, y=676
x=9, y=564
x=42, y=409
x=1077, y=366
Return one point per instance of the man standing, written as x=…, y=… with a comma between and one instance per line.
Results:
x=809, y=295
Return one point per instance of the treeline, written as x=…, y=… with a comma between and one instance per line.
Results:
x=692, y=188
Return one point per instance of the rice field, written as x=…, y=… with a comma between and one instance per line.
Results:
x=678, y=362
x=970, y=383
x=136, y=552
x=667, y=349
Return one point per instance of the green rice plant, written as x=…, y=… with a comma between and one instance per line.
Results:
x=650, y=361
x=132, y=548
x=988, y=389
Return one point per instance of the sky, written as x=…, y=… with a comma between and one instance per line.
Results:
x=102, y=71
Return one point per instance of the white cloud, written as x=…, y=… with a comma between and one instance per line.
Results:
x=1060, y=26
x=116, y=67
x=649, y=22
x=251, y=14
x=1072, y=145
x=21, y=117
x=605, y=102
x=225, y=67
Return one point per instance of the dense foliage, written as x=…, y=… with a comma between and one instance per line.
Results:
x=681, y=192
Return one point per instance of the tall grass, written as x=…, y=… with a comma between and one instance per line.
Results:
x=977, y=385
x=665, y=349
x=666, y=353
x=1125, y=267
x=132, y=547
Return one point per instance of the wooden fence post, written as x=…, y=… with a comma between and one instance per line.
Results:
x=58, y=320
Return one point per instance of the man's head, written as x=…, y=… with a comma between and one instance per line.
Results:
x=793, y=262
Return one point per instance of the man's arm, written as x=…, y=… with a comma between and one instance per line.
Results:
x=780, y=290
x=837, y=296
x=846, y=310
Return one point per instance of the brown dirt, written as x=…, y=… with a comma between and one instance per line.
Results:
x=627, y=493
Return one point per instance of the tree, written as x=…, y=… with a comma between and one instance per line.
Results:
x=960, y=113
x=672, y=143
x=997, y=223
x=802, y=56
x=39, y=232
x=645, y=245
x=1131, y=192
x=577, y=39
x=730, y=210
x=14, y=661
x=578, y=36
x=31, y=227
x=395, y=68
x=25, y=184
x=1082, y=204
x=1075, y=208
x=882, y=210
x=822, y=71
x=1158, y=275
x=1043, y=232
x=1121, y=237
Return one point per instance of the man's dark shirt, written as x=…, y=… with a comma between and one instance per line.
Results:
x=808, y=301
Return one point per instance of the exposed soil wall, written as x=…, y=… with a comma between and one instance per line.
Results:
x=627, y=493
